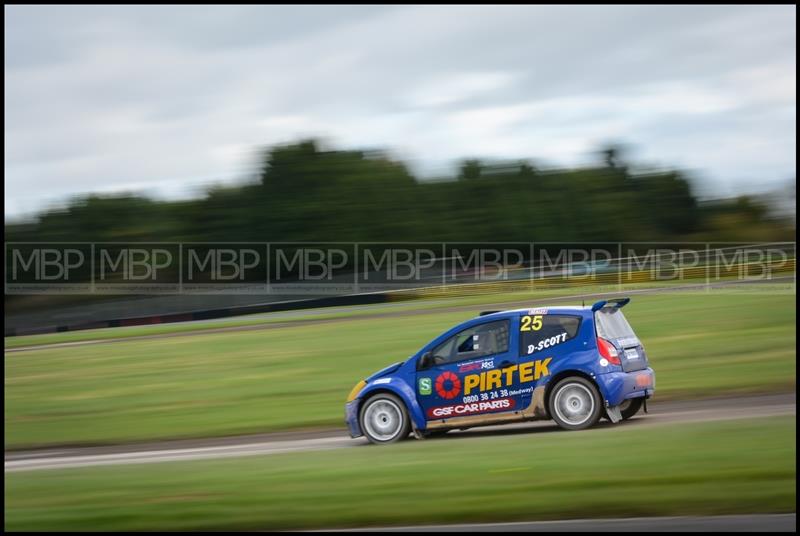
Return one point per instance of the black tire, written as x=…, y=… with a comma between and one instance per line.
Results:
x=628, y=408
x=575, y=403
x=384, y=419
x=632, y=409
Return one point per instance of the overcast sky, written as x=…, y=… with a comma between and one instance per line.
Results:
x=165, y=99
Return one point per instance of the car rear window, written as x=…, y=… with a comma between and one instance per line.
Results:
x=542, y=332
x=612, y=324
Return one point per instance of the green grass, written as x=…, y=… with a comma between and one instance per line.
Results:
x=298, y=376
x=730, y=467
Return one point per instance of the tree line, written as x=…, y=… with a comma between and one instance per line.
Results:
x=305, y=192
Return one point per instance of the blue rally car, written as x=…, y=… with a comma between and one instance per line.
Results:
x=570, y=364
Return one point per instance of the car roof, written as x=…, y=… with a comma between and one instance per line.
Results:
x=564, y=309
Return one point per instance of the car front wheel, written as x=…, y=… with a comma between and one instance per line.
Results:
x=575, y=403
x=384, y=419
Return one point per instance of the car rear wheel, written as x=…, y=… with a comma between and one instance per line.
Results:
x=575, y=403
x=630, y=407
x=384, y=419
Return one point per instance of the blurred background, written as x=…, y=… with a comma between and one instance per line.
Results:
x=670, y=125
x=353, y=124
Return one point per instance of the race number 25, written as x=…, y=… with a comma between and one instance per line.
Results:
x=531, y=323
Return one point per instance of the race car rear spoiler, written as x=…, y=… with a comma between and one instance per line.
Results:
x=619, y=303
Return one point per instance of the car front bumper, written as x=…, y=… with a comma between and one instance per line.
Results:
x=351, y=418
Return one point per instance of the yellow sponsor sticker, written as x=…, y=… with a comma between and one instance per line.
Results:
x=495, y=379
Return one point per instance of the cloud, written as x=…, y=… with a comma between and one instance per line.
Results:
x=458, y=87
x=117, y=97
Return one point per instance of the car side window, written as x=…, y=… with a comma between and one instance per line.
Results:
x=542, y=332
x=478, y=341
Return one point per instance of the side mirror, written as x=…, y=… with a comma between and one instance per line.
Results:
x=426, y=361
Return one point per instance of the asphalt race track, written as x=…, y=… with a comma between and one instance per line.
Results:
x=740, y=523
x=264, y=444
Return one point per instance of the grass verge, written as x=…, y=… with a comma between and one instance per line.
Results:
x=730, y=467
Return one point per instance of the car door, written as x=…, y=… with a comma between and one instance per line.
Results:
x=544, y=340
x=472, y=373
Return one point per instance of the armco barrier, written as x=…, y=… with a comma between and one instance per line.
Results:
x=694, y=275
x=355, y=299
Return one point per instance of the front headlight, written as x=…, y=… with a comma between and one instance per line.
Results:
x=357, y=389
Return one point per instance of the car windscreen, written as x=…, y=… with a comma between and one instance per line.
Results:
x=612, y=324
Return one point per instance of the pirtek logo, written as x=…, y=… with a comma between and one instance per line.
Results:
x=493, y=379
x=448, y=385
